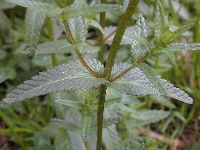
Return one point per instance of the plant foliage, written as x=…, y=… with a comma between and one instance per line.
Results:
x=85, y=124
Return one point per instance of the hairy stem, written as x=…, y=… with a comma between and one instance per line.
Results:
x=101, y=101
x=118, y=36
x=102, y=90
x=110, y=62
x=51, y=38
x=100, y=35
x=78, y=53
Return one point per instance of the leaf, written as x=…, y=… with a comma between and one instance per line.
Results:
x=33, y=23
x=94, y=24
x=135, y=82
x=69, y=76
x=153, y=77
x=66, y=125
x=86, y=123
x=62, y=141
x=110, y=138
x=83, y=10
x=5, y=5
x=140, y=29
x=142, y=118
x=169, y=53
x=56, y=47
x=76, y=141
x=77, y=29
x=5, y=74
x=41, y=141
x=163, y=101
x=140, y=45
x=176, y=93
x=138, y=40
x=183, y=29
x=92, y=141
x=160, y=24
x=174, y=47
x=40, y=7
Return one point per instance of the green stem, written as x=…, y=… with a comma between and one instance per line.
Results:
x=101, y=101
x=118, y=36
x=51, y=38
x=110, y=62
x=101, y=36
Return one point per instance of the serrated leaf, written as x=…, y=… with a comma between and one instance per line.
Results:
x=140, y=29
x=110, y=138
x=176, y=93
x=183, y=29
x=56, y=47
x=33, y=23
x=66, y=125
x=138, y=51
x=37, y=6
x=63, y=77
x=160, y=23
x=77, y=28
x=83, y=10
x=135, y=82
x=174, y=47
x=152, y=76
x=140, y=45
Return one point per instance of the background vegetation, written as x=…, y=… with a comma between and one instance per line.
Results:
x=23, y=123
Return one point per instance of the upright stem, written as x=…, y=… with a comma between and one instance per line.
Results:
x=101, y=101
x=102, y=90
x=51, y=38
x=125, y=20
x=110, y=62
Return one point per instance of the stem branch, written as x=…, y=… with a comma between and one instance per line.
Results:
x=78, y=52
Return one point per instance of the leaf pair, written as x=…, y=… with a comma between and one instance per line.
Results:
x=72, y=76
